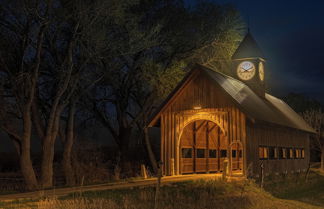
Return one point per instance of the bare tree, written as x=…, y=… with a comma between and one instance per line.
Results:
x=315, y=118
x=46, y=53
x=23, y=26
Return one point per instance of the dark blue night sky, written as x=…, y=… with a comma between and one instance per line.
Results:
x=291, y=35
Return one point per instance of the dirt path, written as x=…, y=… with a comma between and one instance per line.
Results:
x=108, y=186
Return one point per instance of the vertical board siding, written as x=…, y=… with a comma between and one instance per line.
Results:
x=275, y=136
x=206, y=94
x=162, y=144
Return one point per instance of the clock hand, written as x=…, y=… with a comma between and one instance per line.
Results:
x=249, y=68
x=244, y=69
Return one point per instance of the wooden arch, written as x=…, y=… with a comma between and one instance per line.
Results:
x=231, y=157
x=183, y=118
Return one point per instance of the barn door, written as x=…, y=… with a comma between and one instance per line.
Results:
x=213, y=147
x=236, y=156
x=200, y=148
x=187, y=149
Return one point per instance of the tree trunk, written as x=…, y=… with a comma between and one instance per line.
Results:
x=48, y=149
x=54, y=119
x=68, y=144
x=27, y=170
x=322, y=159
x=124, y=138
x=26, y=164
x=150, y=151
x=25, y=159
x=47, y=163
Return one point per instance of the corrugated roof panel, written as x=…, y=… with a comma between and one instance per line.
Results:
x=289, y=113
x=269, y=109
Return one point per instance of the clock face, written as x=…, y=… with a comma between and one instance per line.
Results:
x=261, y=71
x=246, y=70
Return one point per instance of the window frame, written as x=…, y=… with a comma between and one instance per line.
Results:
x=291, y=153
x=274, y=151
x=216, y=153
x=234, y=153
x=191, y=152
x=197, y=151
x=297, y=153
x=264, y=154
x=221, y=153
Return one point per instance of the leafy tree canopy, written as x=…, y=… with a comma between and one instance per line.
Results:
x=301, y=103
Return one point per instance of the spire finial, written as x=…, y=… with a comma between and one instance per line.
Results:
x=248, y=24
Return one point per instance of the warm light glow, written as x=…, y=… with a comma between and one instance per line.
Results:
x=197, y=107
x=246, y=70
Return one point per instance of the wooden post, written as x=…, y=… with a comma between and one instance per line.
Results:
x=225, y=169
x=194, y=150
x=307, y=172
x=172, y=167
x=149, y=150
x=143, y=171
x=158, y=185
x=262, y=175
x=207, y=145
x=249, y=170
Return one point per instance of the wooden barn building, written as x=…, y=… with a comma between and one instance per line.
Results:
x=211, y=118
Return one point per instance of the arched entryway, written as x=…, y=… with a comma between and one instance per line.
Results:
x=236, y=157
x=203, y=148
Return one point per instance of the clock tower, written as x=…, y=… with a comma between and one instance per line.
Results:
x=249, y=63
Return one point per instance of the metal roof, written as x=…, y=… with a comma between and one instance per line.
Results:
x=268, y=109
x=248, y=48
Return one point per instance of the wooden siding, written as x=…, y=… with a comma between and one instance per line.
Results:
x=220, y=108
x=216, y=106
x=275, y=136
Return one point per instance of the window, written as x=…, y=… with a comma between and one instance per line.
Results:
x=302, y=153
x=291, y=154
x=273, y=153
x=223, y=153
x=240, y=154
x=234, y=153
x=200, y=153
x=212, y=153
x=297, y=153
x=186, y=153
x=276, y=152
x=263, y=153
x=282, y=153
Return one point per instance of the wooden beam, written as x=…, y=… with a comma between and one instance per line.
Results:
x=209, y=130
x=201, y=125
x=194, y=147
x=207, y=140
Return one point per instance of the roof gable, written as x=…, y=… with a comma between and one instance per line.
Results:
x=188, y=77
x=269, y=109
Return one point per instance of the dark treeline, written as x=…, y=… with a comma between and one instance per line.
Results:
x=313, y=113
x=67, y=63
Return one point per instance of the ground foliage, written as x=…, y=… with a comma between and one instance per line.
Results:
x=285, y=191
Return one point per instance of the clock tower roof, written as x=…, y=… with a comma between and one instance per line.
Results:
x=248, y=48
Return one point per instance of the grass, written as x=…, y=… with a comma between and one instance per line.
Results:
x=281, y=192
x=294, y=187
